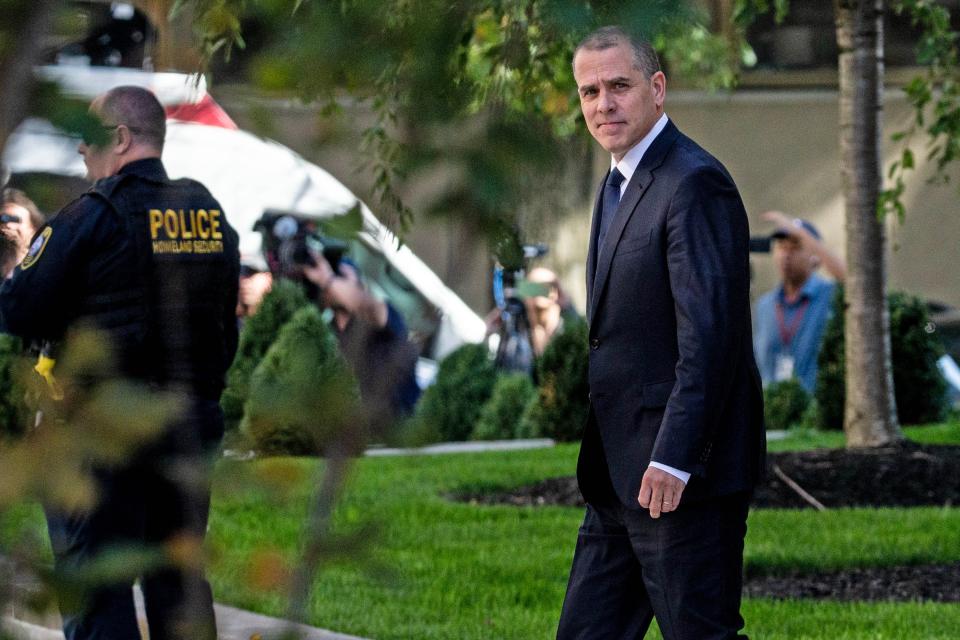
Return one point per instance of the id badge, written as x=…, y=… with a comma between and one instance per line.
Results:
x=784, y=367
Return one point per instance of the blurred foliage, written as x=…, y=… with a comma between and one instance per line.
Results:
x=935, y=97
x=562, y=405
x=23, y=37
x=477, y=96
x=450, y=408
x=102, y=421
x=502, y=412
x=919, y=388
x=302, y=395
x=746, y=12
x=784, y=404
x=14, y=369
x=258, y=333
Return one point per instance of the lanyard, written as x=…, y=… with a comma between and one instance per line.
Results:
x=787, y=333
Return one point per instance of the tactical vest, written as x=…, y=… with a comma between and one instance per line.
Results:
x=169, y=327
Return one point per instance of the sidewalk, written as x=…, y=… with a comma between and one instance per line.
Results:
x=463, y=447
x=232, y=624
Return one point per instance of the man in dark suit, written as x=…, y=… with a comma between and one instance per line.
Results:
x=675, y=440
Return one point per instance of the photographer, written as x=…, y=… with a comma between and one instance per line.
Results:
x=372, y=337
x=20, y=218
x=789, y=321
x=549, y=312
x=255, y=284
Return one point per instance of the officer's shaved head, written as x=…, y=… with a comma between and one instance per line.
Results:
x=138, y=109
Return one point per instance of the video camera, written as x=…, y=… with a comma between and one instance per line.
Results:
x=507, y=276
x=760, y=244
x=8, y=217
x=514, y=348
x=291, y=241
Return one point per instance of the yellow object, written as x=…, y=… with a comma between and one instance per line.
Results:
x=44, y=367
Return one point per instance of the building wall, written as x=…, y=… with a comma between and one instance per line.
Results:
x=782, y=148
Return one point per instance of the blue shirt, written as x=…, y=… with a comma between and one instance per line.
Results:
x=807, y=315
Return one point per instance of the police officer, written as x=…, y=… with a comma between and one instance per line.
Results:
x=154, y=264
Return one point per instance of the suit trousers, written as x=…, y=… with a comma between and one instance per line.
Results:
x=159, y=497
x=685, y=569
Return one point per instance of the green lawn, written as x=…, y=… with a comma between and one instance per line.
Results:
x=430, y=568
x=435, y=569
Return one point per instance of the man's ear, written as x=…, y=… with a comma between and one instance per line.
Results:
x=658, y=81
x=124, y=140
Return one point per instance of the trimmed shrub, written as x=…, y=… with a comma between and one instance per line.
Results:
x=259, y=332
x=302, y=393
x=502, y=413
x=919, y=389
x=14, y=367
x=562, y=405
x=829, y=390
x=784, y=404
x=450, y=408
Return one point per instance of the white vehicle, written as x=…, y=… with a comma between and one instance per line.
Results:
x=250, y=175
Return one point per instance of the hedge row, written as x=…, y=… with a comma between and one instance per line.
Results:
x=471, y=400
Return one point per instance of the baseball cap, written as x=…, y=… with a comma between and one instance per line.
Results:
x=781, y=233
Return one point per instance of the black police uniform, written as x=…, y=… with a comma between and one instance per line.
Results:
x=154, y=264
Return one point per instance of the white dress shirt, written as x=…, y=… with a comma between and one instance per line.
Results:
x=631, y=159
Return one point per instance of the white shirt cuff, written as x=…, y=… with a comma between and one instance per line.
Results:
x=683, y=476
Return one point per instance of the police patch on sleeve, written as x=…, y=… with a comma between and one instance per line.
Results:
x=36, y=249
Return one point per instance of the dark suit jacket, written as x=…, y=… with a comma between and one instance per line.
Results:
x=672, y=373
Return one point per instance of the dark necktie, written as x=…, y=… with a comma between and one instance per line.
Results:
x=611, y=200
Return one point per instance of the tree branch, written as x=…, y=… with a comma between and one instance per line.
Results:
x=787, y=480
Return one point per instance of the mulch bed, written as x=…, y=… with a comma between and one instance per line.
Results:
x=929, y=583
x=906, y=475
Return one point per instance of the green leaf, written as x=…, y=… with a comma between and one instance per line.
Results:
x=345, y=226
x=907, y=158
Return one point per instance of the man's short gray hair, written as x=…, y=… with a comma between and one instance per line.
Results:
x=139, y=110
x=644, y=56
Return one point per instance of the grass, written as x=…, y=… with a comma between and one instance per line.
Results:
x=428, y=568
x=819, y=620
x=801, y=439
x=436, y=569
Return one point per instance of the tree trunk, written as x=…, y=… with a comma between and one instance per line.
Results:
x=27, y=23
x=870, y=416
